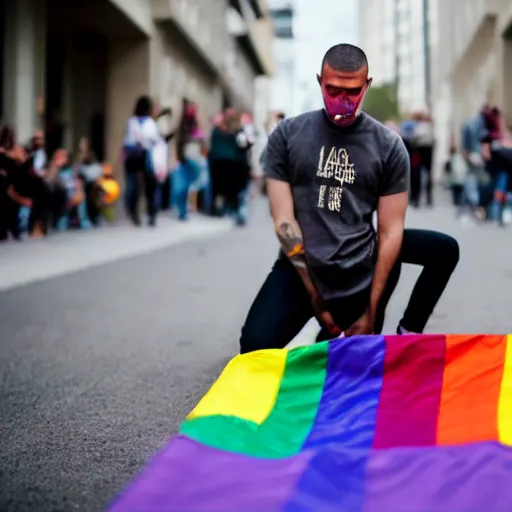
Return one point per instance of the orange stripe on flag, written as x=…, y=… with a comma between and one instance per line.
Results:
x=471, y=389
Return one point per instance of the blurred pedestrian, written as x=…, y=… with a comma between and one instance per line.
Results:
x=474, y=132
x=246, y=140
x=64, y=176
x=7, y=142
x=457, y=176
x=229, y=164
x=89, y=171
x=17, y=167
x=498, y=147
x=141, y=137
x=422, y=142
x=192, y=163
x=38, y=151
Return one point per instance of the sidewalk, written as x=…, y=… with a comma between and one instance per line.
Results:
x=63, y=253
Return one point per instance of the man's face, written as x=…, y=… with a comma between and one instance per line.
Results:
x=343, y=93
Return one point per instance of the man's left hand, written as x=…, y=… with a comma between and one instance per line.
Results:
x=363, y=325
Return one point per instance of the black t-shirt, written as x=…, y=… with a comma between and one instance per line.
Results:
x=337, y=176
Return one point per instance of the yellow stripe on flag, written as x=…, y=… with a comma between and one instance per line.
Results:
x=247, y=388
x=505, y=403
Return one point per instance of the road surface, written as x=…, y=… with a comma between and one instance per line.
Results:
x=99, y=365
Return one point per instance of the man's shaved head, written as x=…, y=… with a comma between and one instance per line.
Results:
x=346, y=58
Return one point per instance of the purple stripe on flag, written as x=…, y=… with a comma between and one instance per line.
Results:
x=409, y=403
x=344, y=428
x=333, y=482
x=469, y=478
x=348, y=407
x=189, y=477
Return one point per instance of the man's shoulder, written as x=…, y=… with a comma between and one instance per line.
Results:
x=380, y=128
x=386, y=137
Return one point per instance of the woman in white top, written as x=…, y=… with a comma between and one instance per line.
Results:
x=141, y=136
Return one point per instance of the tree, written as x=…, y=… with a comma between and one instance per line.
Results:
x=381, y=103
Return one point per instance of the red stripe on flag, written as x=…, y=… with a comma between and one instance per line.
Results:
x=409, y=402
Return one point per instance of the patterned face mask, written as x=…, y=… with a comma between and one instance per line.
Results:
x=343, y=109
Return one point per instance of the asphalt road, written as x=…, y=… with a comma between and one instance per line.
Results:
x=99, y=367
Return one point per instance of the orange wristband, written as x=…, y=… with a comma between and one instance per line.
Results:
x=298, y=249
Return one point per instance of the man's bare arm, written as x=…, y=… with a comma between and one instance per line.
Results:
x=291, y=240
x=287, y=229
x=391, y=218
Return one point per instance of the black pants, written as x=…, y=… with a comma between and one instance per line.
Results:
x=457, y=195
x=93, y=194
x=228, y=179
x=283, y=306
x=9, y=222
x=133, y=180
x=422, y=167
x=49, y=203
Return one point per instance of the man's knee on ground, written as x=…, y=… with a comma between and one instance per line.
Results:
x=252, y=340
x=257, y=338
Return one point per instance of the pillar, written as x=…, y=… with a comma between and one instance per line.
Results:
x=24, y=63
x=127, y=79
x=506, y=77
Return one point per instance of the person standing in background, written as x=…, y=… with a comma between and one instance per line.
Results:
x=39, y=153
x=18, y=167
x=229, y=165
x=473, y=133
x=89, y=170
x=246, y=140
x=190, y=147
x=497, y=150
x=423, y=149
x=141, y=137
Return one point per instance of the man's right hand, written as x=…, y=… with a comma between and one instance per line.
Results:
x=323, y=316
x=292, y=242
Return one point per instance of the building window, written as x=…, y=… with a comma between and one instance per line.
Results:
x=282, y=20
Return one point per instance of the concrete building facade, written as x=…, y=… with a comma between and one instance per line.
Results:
x=471, y=60
x=282, y=13
x=76, y=68
x=409, y=44
x=392, y=33
x=468, y=59
x=475, y=57
x=377, y=38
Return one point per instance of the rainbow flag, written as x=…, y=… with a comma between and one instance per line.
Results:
x=363, y=424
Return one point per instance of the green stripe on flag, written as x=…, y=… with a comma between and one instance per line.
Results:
x=286, y=428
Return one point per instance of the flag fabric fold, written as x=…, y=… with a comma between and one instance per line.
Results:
x=410, y=423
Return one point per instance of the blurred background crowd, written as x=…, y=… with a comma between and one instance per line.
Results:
x=113, y=109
